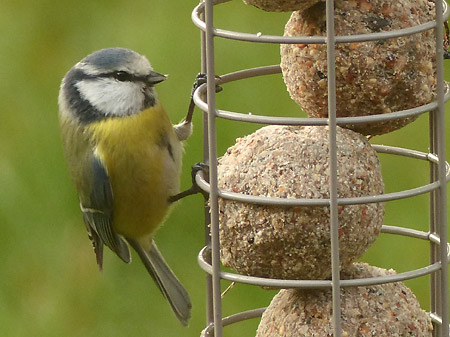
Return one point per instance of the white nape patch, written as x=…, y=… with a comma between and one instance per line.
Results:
x=112, y=97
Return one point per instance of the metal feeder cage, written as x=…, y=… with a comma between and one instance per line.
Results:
x=204, y=97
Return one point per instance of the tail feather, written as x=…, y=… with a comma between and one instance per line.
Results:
x=167, y=282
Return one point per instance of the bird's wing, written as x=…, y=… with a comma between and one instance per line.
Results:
x=98, y=212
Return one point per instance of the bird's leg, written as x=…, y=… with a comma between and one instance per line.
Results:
x=181, y=131
x=194, y=189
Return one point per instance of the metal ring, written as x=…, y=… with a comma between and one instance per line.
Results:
x=260, y=119
x=242, y=316
x=320, y=284
x=284, y=202
x=233, y=35
x=255, y=313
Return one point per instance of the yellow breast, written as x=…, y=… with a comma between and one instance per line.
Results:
x=143, y=158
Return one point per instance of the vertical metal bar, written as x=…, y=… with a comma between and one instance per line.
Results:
x=209, y=287
x=442, y=201
x=435, y=300
x=434, y=248
x=214, y=205
x=334, y=223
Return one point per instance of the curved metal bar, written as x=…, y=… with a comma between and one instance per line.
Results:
x=285, y=202
x=260, y=119
x=242, y=316
x=261, y=38
x=255, y=313
x=320, y=284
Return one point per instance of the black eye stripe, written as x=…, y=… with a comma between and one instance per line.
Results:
x=122, y=76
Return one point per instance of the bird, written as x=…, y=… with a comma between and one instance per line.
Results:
x=124, y=157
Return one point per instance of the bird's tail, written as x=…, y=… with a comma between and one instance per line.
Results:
x=167, y=282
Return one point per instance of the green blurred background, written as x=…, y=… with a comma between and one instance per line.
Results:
x=49, y=282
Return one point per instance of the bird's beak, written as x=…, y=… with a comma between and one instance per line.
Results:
x=154, y=78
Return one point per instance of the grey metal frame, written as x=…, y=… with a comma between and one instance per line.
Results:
x=204, y=97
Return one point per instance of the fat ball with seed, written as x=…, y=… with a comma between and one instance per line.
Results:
x=291, y=162
x=372, y=77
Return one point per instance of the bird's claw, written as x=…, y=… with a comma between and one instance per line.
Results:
x=194, y=189
x=201, y=78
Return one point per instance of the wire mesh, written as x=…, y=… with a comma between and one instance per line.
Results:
x=204, y=97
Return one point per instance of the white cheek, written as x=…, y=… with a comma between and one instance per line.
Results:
x=112, y=97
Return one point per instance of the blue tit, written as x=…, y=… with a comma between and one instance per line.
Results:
x=124, y=158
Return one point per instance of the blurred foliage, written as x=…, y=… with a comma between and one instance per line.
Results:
x=49, y=282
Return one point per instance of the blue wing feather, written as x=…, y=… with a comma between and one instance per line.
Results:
x=98, y=215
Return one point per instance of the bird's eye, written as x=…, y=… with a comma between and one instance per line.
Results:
x=122, y=76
